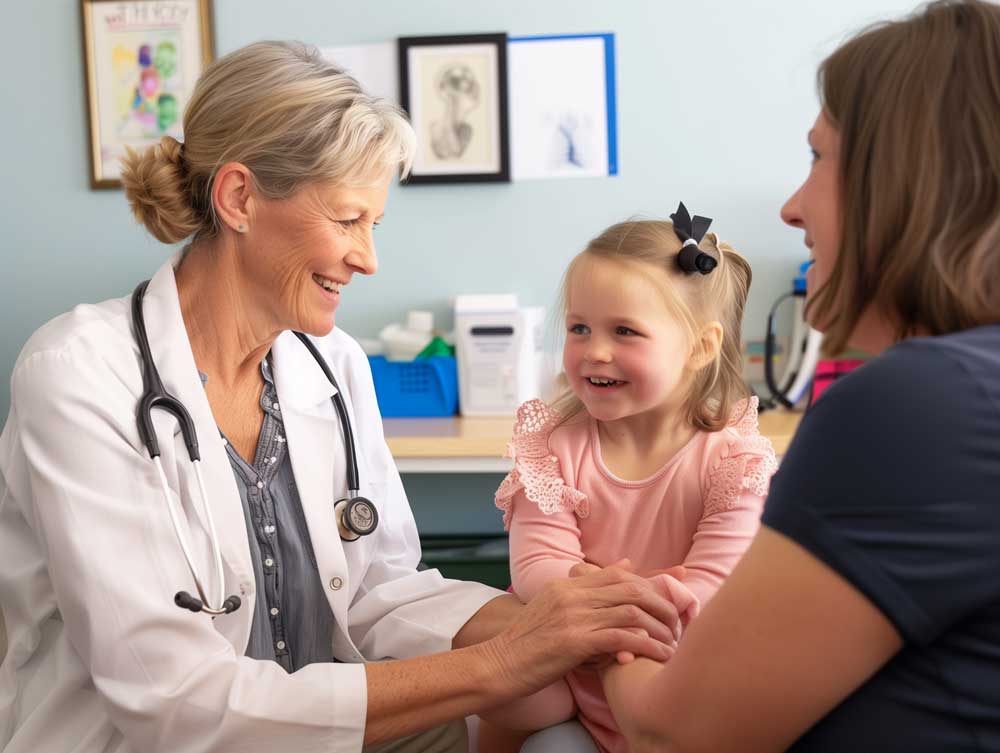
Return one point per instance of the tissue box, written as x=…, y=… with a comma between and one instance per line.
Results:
x=425, y=387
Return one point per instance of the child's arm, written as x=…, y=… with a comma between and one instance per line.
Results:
x=543, y=546
x=734, y=488
x=719, y=542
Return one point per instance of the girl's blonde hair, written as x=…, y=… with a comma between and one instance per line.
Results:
x=695, y=300
x=291, y=116
x=917, y=106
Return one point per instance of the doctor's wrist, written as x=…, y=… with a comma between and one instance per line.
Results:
x=504, y=672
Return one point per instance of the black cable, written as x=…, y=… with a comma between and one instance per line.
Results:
x=353, y=483
x=777, y=393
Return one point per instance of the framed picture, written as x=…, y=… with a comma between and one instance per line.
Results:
x=142, y=59
x=455, y=90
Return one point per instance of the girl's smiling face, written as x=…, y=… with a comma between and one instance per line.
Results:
x=625, y=352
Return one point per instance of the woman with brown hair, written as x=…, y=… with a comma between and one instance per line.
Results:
x=866, y=614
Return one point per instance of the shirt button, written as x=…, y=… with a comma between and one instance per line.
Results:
x=260, y=484
x=269, y=562
x=269, y=529
x=274, y=611
x=280, y=645
x=336, y=583
x=274, y=459
x=275, y=406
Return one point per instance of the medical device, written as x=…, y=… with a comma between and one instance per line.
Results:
x=499, y=349
x=803, y=348
x=356, y=516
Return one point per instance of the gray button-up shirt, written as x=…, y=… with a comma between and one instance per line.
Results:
x=292, y=621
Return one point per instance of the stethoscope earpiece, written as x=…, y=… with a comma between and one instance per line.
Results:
x=186, y=601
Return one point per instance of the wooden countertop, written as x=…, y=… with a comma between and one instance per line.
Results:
x=468, y=437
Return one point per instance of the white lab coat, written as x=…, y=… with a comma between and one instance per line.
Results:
x=100, y=659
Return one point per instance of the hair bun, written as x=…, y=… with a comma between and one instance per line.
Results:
x=156, y=189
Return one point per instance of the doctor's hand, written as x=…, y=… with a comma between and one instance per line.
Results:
x=584, y=568
x=583, y=619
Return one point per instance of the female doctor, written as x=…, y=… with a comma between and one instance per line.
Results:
x=231, y=564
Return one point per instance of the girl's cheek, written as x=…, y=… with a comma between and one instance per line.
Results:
x=571, y=357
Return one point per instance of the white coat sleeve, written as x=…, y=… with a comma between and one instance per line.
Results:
x=170, y=682
x=399, y=612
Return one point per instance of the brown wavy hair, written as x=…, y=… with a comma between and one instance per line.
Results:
x=917, y=106
x=694, y=299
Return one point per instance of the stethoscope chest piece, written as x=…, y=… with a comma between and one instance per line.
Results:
x=356, y=517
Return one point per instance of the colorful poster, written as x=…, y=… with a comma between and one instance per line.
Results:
x=143, y=59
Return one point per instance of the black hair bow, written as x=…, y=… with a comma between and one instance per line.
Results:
x=691, y=231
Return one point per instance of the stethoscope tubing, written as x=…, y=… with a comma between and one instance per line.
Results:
x=179, y=531
x=155, y=395
x=353, y=482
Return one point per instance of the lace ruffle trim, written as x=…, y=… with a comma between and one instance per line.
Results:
x=536, y=470
x=746, y=465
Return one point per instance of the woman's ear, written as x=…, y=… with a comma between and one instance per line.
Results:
x=707, y=346
x=232, y=196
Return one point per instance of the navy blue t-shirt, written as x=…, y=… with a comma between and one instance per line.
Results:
x=893, y=480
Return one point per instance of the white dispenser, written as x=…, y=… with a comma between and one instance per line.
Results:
x=404, y=343
x=499, y=348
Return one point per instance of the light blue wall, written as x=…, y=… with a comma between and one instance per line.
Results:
x=715, y=98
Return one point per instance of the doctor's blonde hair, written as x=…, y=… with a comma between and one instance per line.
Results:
x=694, y=299
x=280, y=108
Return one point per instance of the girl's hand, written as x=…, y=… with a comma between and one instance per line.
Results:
x=595, y=614
x=677, y=571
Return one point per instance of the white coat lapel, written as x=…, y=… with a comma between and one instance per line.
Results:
x=316, y=449
x=172, y=355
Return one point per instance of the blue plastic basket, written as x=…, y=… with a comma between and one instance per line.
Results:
x=425, y=387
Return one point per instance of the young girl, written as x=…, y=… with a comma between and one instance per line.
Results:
x=651, y=454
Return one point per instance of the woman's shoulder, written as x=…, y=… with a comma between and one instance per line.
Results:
x=86, y=334
x=918, y=395
x=941, y=371
x=917, y=425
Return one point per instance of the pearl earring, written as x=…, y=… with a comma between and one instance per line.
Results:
x=242, y=228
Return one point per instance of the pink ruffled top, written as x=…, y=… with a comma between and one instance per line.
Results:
x=563, y=505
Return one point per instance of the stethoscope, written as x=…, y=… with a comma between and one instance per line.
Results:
x=356, y=516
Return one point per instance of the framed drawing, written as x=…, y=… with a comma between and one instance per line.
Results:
x=142, y=59
x=455, y=91
x=563, y=111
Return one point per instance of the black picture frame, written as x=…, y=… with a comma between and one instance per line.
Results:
x=454, y=88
